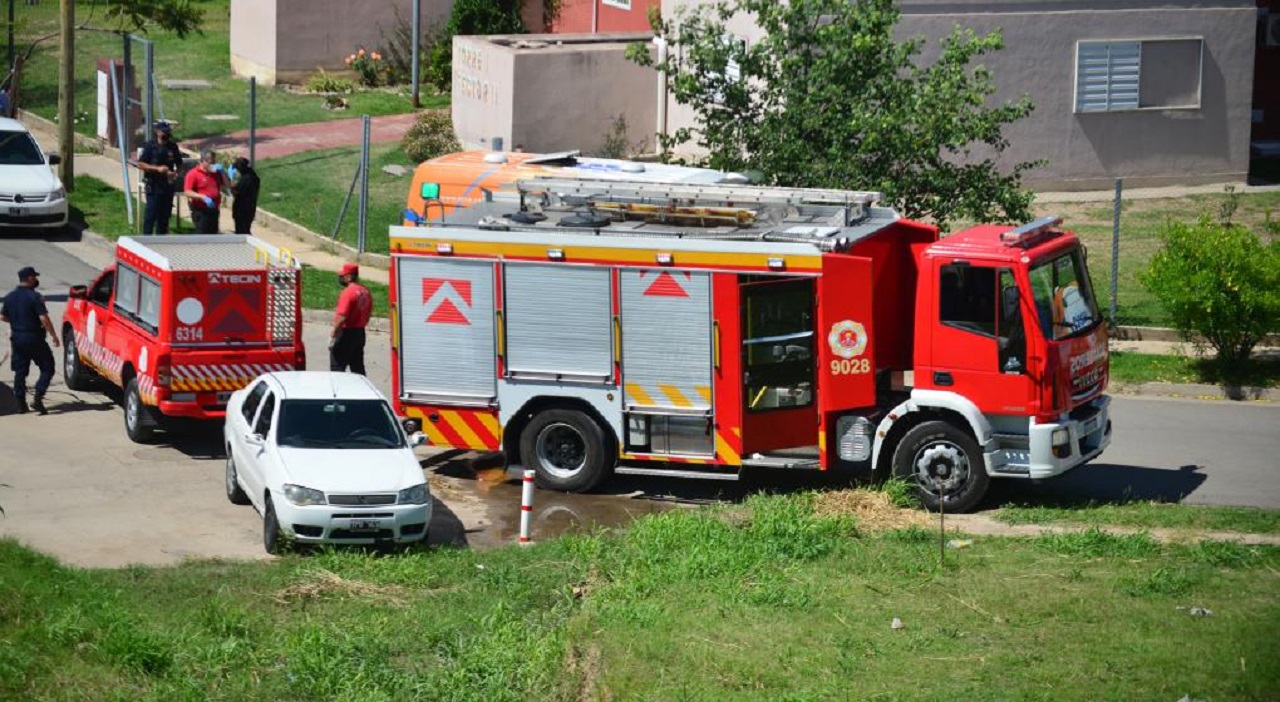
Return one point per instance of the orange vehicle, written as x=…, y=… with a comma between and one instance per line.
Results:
x=465, y=178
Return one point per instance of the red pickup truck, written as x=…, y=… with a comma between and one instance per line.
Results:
x=181, y=322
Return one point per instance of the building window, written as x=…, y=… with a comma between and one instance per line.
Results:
x=620, y=4
x=1138, y=74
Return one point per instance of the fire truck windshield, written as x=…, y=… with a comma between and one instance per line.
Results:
x=1064, y=296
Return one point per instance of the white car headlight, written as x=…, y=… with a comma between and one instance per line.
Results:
x=416, y=495
x=59, y=194
x=303, y=496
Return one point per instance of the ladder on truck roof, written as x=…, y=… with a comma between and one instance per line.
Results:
x=829, y=220
x=848, y=206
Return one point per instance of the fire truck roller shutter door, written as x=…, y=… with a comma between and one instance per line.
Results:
x=558, y=321
x=666, y=338
x=447, y=341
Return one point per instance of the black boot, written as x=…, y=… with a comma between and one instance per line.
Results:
x=38, y=405
x=22, y=405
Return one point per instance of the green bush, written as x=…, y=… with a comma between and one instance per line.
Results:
x=1219, y=281
x=430, y=136
x=470, y=18
x=323, y=81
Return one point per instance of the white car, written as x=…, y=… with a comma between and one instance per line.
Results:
x=323, y=459
x=31, y=195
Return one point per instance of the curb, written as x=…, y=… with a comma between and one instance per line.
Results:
x=1128, y=333
x=1198, y=391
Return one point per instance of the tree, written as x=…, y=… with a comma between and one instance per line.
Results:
x=121, y=17
x=1220, y=281
x=829, y=98
x=472, y=17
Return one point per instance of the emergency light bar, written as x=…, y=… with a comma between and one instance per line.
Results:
x=1031, y=233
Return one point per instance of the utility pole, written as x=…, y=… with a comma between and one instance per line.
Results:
x=417, y=40
x=67, y=97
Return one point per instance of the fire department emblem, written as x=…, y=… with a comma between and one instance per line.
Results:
x=848, y=339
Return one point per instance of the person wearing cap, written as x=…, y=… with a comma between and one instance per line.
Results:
x=28, y=319
x=159, y=161
x=355, y=305
x=203, y=188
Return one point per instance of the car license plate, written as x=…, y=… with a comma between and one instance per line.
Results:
x=365, y=525
x=15, y=210
x=224, y=398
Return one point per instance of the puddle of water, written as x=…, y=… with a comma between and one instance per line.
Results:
x=485, y=487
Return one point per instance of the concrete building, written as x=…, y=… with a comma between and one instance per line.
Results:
x=592, y=16
x=550, y=92
x=287, y=40
x=1155, y=91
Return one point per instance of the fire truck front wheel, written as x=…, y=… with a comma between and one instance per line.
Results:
x=568, y=450
x=944, y=464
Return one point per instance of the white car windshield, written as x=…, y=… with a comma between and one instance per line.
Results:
x=338, y=424
x=19, y=149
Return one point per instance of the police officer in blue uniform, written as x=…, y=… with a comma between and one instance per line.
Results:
x=28, y=320
x=159, y=162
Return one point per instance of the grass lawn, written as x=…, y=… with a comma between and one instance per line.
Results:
x=777, y=604
x=312, y=185
x=1147, y=515
x=320, y=289
x=1128, y=367
x=200, y=56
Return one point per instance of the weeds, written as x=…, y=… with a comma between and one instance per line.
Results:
x=1095, y=543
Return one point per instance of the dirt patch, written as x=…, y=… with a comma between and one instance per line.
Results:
x=873, y=510
x=323, y=583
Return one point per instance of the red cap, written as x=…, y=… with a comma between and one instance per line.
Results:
x=350, y=269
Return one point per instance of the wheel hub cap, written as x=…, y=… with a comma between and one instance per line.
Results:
x=941, y=468
x=561, y=450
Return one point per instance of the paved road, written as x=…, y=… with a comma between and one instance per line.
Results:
x=80, y=490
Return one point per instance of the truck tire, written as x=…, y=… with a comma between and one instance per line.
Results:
x=235, y=494
x=74, y=371
x=568, y=450
x=139, y=419
x=942, y=462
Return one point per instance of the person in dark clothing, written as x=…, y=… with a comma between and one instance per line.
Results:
x=159, y=162
x=245, y=191
x=28, y=320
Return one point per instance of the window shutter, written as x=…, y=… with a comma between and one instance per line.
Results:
x=1107, y=76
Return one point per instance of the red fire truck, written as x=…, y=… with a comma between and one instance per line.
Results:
x=180, y=322
x=588, y=326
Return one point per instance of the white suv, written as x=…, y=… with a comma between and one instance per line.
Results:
x=322, y=458
x=31, y=195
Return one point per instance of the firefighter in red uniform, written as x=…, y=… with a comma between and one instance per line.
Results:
x=355, y=305
x=203, y=188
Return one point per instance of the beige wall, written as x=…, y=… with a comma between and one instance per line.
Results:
x=1084, y=151
x=287, y=40
x=550, y=92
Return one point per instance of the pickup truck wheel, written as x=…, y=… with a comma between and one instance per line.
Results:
x=139, y=419
x=272, y=540
x=74, y=371
x=567, y=449
x=235, y=494
x=944, y=464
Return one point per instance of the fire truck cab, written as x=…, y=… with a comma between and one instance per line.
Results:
x=689, y=330
x=180, y=322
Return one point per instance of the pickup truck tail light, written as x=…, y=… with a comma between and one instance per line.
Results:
x=300, y=357
x=164, y=372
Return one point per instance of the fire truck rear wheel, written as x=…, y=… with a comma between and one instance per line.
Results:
x=74, y=371
x=568, y=450
x=942, y=462
x=139, y=419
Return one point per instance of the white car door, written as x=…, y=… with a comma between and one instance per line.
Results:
x=258, y=450
x=239, y=423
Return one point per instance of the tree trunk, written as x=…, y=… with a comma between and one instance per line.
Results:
x=67, y=97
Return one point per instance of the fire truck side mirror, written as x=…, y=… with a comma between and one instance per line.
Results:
x=78, y=292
